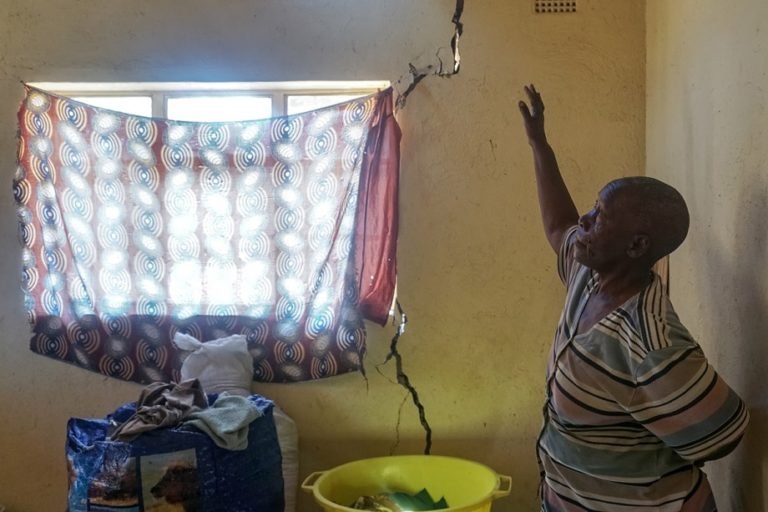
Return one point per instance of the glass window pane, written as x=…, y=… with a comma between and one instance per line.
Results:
x=303, y=103
x=219, y=108
x=138, y=105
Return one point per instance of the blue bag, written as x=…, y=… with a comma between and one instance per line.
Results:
x=178, y=468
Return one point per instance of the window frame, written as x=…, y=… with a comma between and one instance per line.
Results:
x=161, y=91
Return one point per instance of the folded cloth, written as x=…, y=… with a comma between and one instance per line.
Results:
x=162, y=405
x=226, y=421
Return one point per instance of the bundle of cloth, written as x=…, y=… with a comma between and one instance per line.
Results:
x=162, y=405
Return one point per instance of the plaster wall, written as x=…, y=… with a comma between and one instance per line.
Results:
x=477, y=277
x=706, y=128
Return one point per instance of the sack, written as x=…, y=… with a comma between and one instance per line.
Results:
x=178, y=468
x=288, y=437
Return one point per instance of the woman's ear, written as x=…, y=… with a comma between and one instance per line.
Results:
x=639, y=246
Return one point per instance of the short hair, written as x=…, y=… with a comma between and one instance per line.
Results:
x=658, y=208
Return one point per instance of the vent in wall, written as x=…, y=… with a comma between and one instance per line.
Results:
x=553, y=6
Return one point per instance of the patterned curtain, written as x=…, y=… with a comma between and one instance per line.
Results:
x=134, y=228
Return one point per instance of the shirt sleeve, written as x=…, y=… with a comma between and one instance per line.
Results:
x=682, y=400
x=565, y=262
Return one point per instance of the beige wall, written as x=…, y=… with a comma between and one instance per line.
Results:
x=707, y=127
x=476, y=275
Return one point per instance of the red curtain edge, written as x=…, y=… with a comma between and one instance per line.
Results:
x=377, y=214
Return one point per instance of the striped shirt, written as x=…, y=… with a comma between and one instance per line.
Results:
x=632, y=405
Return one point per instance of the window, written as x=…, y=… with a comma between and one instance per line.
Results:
x=236, y=107
x=139, y=105
x=214, y=102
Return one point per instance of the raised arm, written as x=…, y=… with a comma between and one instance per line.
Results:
x=557, y=209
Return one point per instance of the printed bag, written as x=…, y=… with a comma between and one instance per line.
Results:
x=173, y=469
